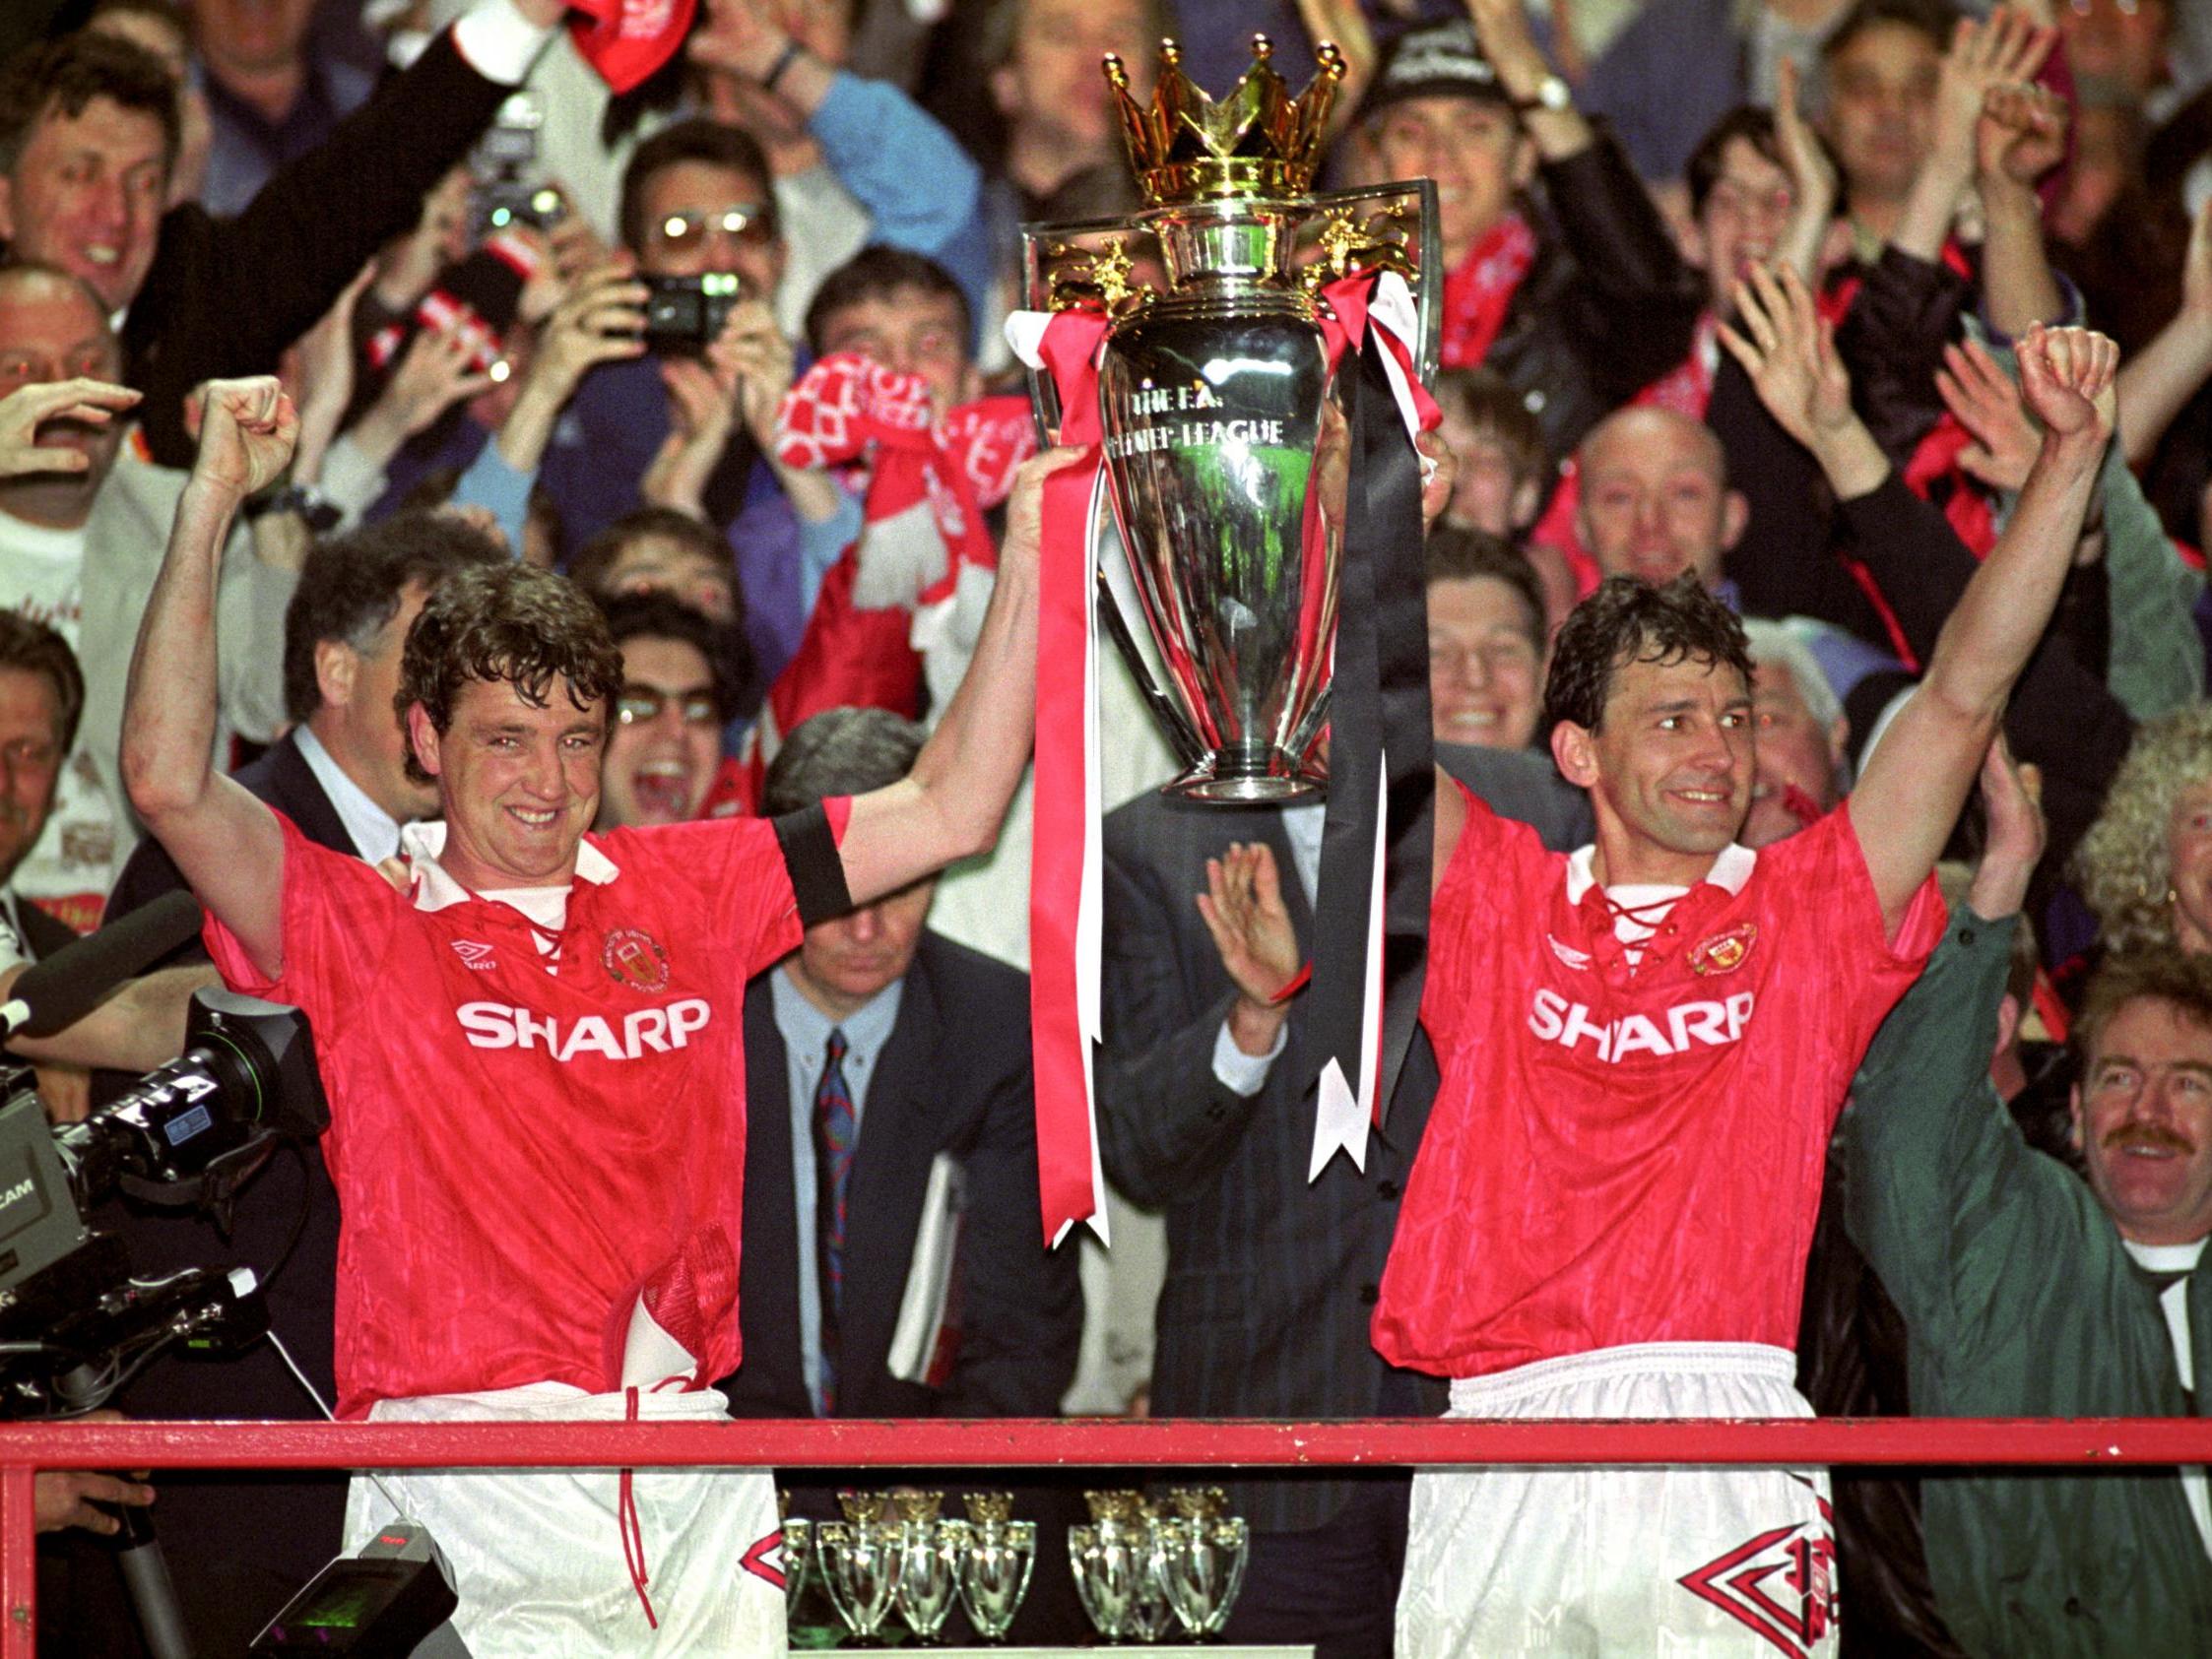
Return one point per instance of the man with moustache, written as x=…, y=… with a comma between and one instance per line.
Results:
x=2029, y=1291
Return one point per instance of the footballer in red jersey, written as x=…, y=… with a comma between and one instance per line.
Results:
x=1644, y=1048
x=535, y=1053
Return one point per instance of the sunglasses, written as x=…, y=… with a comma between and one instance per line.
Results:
x=745, y=222
x=641, y=705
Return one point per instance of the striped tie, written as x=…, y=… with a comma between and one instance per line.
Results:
x=834, y=1135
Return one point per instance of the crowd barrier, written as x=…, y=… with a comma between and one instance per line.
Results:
x=1028, y=1443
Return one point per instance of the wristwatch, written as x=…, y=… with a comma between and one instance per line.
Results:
x=321, y=515
x=1551, y=93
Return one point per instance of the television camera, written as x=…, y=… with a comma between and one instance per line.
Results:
x=75, y=1325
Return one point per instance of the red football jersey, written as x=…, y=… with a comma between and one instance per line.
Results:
x=515, y=1149
x=1620, y=1156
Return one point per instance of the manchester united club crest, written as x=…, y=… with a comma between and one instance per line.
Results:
x=1725, y=953
x=633, y=957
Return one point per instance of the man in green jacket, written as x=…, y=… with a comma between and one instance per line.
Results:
x=2028, y=1292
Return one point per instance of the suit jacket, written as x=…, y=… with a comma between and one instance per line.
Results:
x=239, y=1543
x=1271, y=1281
x=953, y=1077
x=225, y=297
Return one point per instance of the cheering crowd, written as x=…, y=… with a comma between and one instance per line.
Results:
x=536, y=525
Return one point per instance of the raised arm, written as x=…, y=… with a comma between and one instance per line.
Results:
x=2162, y=377
x=950, y=805
x=226, y=842
x=1916, y=779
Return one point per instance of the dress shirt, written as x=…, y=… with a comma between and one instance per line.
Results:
x=805, y=1030
x=2165, y=1261
x=374, y=832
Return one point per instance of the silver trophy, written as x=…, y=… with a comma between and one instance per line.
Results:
x=928, y=1571
x=995, y=1573
x=1225, y=447
x=798, y=1551
x=859, y=1563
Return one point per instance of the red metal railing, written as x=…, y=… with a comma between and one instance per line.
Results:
x=26, y=1449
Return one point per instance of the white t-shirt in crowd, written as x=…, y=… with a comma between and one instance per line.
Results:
x=67, y=872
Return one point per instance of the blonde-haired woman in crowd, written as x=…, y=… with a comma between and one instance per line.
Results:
x=2145, y=866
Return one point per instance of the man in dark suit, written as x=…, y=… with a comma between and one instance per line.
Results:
x=89, y=133
x=240, y=1544
x=1206, y=1111
x=879, y=1057
x=932, y=1075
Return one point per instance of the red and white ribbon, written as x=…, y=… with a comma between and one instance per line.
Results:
x=1066, y=852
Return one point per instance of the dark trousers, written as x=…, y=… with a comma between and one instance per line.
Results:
x=1335, y=1586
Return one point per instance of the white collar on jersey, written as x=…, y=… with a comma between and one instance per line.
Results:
x=1731, y=869
x=421, y=845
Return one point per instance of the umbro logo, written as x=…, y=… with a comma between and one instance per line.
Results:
x=1780, y=1585
x=1573, y=958
x=477, y=957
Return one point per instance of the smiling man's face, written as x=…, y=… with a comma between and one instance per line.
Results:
x=86, y=194
x=2143, y=1120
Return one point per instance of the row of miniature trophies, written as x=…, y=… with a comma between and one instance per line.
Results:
x=1140, y=1567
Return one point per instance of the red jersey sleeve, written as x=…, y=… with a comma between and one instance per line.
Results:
x=1490, y=868
x=338, y=916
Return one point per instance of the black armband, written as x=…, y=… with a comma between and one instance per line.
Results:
x=811, y=859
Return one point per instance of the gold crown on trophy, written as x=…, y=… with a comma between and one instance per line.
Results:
x=1258, y=142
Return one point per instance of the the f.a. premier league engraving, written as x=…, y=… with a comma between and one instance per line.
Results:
x=1224, y=445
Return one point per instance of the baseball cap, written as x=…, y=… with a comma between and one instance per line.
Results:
x=1438, y=60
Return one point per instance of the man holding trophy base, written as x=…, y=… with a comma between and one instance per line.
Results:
x=1643, y=1049
x=1642, y=1045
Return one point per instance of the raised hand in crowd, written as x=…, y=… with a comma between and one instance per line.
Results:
x=1243, y=909
x=1788, y=352
x=440, y=369
x=2012, y=807
x=2066, y=377
x=318, y=371
x=2164, y=374
x=1814, y=237
x=2006, y=48
x=409, y=264
x=569, y=247
x=27, y=408
x=1502, y=26
x=1983, y=399
x=602, y=321
x=702, y=405
x=1343, y=24
x=771, y=63
x=2020, y=137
